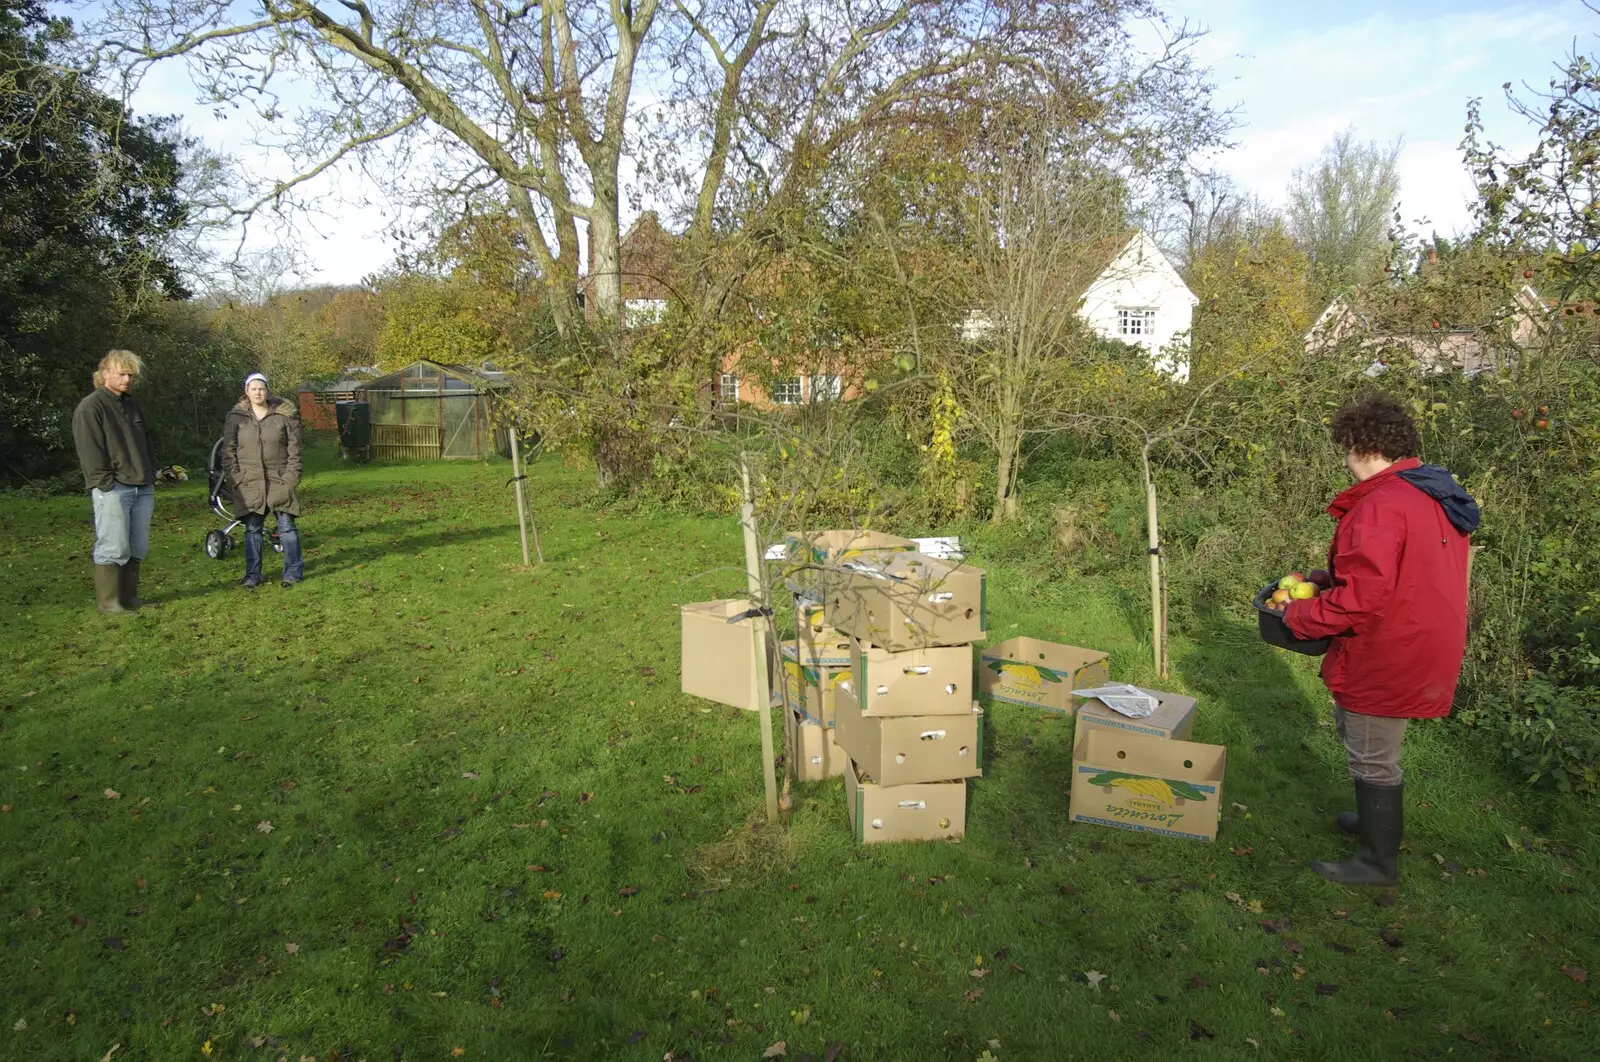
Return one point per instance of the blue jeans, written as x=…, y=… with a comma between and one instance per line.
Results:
x=122, y=523
x=288, y=536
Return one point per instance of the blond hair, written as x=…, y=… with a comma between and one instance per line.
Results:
x=117, y=361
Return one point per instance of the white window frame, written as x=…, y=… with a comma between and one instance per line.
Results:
x=826, y=387
x=636, y=313
x=728, y=387
x=783, y=396
x=1138, y=322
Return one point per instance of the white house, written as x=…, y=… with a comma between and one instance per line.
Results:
x=1140, y=299
x=1137, y=298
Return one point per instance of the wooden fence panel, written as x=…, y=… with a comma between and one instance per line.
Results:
x=405, y=442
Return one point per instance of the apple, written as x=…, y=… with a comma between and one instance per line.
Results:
x=1280, y=598
x=1303, y=591
x=1541, y=424
x=1288, y=581
x=1436, y=324
x=1527, y=274
x=1321, y=578
x=1542, y=410
x=1516, y=414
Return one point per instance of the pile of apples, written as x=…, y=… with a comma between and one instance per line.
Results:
x=1298, y=587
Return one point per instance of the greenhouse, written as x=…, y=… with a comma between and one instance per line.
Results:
x=429, y=410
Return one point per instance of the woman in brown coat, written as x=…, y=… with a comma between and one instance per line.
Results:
x=261, y=456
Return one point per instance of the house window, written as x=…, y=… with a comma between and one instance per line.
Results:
x=826, y=387
x=730, y=387
x=639, y=312
x=787, y=392
x=1136, y=322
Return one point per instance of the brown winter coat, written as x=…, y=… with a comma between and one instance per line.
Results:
x=262, y=457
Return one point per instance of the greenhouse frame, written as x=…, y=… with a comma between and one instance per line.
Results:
x=432, y=410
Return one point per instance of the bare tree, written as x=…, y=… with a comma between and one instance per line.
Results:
x=1340, y=209
x=538, y=99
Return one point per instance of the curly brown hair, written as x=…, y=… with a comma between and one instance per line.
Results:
x=1377, y=424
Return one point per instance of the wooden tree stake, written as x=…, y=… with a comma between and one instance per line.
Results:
x=760, y=699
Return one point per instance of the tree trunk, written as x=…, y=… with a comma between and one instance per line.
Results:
x=605, y=269
x=1005, y=479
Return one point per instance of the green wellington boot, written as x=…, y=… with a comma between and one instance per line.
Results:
x=1380, y=811
x=107, y=585
x=128, y=586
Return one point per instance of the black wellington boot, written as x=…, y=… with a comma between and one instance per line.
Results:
x=1381, y=814
x=128, y=586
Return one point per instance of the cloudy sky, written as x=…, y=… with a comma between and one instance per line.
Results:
x=1298, y=71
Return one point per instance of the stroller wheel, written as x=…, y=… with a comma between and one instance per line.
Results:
x=232, y=542
x=216, y=544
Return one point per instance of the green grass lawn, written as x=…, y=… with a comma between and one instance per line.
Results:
x=431, y=804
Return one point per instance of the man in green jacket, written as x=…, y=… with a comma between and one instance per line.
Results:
x=118, y=468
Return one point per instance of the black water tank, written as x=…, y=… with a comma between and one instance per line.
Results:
x=355, y=430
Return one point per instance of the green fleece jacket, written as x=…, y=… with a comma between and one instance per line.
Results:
x=113, y=441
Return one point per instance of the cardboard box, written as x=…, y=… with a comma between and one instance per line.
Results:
x=820, y=645
x=1040, y=674
x=1138, y=782
x=903, y=750
x=1173, y=717
x=900, y=601
x=832, y=547
x=812, y=750
x=811, y=690
x=717, y=661
x=934, y=681
x=930, y=811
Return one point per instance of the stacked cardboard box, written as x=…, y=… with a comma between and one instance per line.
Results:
x=906, y=718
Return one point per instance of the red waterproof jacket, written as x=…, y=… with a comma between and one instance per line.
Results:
x=1397, y=611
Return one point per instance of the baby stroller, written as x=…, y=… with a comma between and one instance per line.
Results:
x=220, y=541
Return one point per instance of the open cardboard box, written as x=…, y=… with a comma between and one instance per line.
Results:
x=899, y=601
x=902, y=750
x=717, y=659
x=935, y=681
x=1137, y=782
x=819, y=645
x=812, y=750
x=1040, y=674
x=929, y=811
x=809, y=690
x=832, y=547
x=1173, y=717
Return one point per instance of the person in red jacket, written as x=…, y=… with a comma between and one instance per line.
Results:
x=1396, y=614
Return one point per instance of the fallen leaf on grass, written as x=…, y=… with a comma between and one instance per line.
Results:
x=1198, y=1031
x=1472, y=1039
x=978, y=973
x=469, y=774
x=112, y=944
x=1342, y=949
x=5, y=809
x=1391, y=937
x=264, y=826
x=1298, y=971
x=1244, y=851
x=1276, y=925
x=629, y=890
x=1197, y=982
x=205, y=1049
x=777, y=1050
x=458, y=1051
x=1327, y=990
x=20, y=1024
x=584, y=798
x=552, y=894
x=1094, y=977
x=635, y=1036
x=112, y=794
x=835, y=1049
x=1276, y=1012
x=292, y=948
x=974, y=995
x=1294, y=947
x=78, y=920
x=1577, y=973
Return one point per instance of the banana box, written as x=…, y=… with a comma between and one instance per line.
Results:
x=832, y=547
x=1173, y=717
x=934, y=681
x=810, y=690
x=812, y=749
x=1040, y=674
x=902, y=750
x=718, y=655
x=930, y=811
x=1138, y=782
x=819, y=645
x=899, y=601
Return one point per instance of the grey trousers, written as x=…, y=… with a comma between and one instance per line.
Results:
x=1372, y=744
